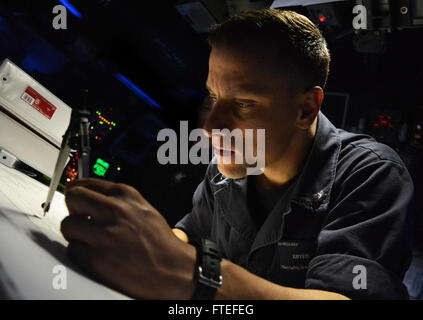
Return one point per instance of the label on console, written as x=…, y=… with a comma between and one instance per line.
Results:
x=38, y=102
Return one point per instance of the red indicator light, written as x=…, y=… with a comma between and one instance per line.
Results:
x=322, y=19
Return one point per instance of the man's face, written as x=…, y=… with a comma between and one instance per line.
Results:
x=249, y=91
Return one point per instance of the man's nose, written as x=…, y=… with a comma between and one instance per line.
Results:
x=216, y=119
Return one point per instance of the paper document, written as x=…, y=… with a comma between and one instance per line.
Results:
x=33, y=263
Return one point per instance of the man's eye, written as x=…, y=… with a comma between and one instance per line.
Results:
x=214, y=99
x=242, y=105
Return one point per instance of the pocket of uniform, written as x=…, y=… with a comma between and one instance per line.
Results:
x=291, y=261
x=295, y=254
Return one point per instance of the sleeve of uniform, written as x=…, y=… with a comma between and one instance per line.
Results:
x=363, y=250
x=197, y=224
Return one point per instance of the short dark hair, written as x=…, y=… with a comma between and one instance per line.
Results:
x=303, y=49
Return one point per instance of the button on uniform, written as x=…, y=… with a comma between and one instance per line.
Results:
x=317, y=197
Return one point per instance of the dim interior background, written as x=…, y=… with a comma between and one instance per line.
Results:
x=145, y=64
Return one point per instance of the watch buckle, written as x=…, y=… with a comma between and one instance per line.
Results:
x=208, y=281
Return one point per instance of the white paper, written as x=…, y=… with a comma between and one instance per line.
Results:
x=32, y=247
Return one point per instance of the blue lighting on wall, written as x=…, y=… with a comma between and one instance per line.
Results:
x=43, y=58
x=71, y=8
x=130, y=85
x=31, y=63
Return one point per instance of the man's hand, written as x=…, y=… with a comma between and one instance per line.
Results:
x=119, y=238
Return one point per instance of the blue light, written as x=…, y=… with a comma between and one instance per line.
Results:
x=42, y=58
x=130, y=85
x=31, y=63
x=71, y=8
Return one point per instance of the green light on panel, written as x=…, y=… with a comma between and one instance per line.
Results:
x=100, y=122
x=100, y=167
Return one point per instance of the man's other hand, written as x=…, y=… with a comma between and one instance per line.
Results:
x=118, y=237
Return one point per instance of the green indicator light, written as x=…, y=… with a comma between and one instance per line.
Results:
x=92, y=127
x=100, y=122
x=110, y=128
x=100, y=167
x=118, y=168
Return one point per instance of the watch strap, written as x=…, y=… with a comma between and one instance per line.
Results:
x=207, y=274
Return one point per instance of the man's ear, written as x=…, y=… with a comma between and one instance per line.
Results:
x=311, y=101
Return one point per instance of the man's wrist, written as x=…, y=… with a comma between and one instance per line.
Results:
x=180, y=274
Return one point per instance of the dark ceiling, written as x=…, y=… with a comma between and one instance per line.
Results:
x=146, y=41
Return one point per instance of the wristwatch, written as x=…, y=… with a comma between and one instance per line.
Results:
x=207, y=270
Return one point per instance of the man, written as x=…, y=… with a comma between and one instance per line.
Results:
x=325, y=220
